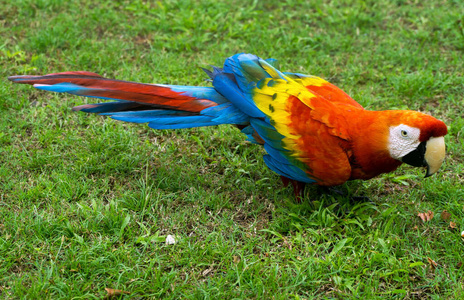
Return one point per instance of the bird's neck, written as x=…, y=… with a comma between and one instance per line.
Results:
x=370, y=139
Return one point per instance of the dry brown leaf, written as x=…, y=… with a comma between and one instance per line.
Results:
x=445, y=215
x=459, y=265
x=236, y=259
x=453, y=225
x=432, y=263
x=425, y=217
x=112, y=293
x=206, y=272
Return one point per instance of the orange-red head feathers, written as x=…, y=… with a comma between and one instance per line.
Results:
x=382, y=140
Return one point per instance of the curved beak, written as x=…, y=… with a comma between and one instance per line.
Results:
x=430, y=154
x=434, y=154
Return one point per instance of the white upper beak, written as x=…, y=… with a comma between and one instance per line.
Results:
x=434, y=154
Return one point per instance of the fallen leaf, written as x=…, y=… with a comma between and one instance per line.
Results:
x=112, y=293
x=206, y=272
x=459, y=265
x=453, y=225
x=432, y=263
x=236, y=259
x=425, y=217
x=445, y=215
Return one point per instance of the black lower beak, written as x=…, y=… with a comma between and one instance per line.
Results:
x=416, y=158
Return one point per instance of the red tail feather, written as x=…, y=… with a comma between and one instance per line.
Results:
x=95, y=85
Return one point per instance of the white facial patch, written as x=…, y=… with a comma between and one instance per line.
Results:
x=403, y=140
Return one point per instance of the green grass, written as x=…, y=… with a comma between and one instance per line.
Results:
x=86, y=202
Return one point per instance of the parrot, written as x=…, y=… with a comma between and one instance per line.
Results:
x=312, y=131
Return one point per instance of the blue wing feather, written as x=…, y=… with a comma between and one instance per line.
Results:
x=280, y=159
x=268, y=133
x=287, y=170
x=226, y=85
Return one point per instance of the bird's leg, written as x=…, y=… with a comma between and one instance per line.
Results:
x=298, y=187
x=285, y=180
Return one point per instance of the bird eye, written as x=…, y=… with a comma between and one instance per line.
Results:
x=404, y=133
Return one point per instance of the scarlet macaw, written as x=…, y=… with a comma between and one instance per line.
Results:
x=312, y=131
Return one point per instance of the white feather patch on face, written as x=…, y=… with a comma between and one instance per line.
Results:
x=403, y=140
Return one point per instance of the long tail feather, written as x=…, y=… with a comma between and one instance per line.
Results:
x=92, y=85
x=161, y=106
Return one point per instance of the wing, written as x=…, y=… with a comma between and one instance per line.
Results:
x=304, y=133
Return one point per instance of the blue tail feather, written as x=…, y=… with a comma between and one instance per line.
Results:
x=200, y=92
x=179, y=126
x=107, y=107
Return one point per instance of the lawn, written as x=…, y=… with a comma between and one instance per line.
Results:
x=87, y=203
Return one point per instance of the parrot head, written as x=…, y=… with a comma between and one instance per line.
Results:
x=418, y=140
x=418, y=147
x=399, y=137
